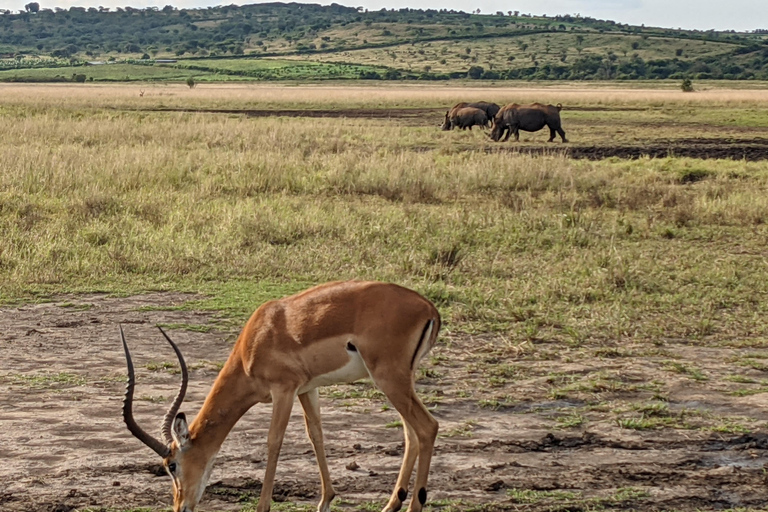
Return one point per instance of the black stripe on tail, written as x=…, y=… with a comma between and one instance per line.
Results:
x=430, y=323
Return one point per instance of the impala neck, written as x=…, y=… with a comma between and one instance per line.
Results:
x=230, y=397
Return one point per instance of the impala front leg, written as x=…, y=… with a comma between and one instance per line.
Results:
x=282, y=403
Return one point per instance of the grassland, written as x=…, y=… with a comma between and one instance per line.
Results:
x=599, y=306
x=531, y=246
x=101, y=73
x=276, y=69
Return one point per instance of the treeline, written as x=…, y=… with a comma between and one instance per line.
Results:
x=76, y=35
x=594, y=67
x=227, y=30
x=231, y=30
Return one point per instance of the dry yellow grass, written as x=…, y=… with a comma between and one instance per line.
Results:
x=385, y=95
x=96, y=196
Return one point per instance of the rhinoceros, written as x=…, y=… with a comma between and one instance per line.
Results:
x=464, y=118
x=530, y=118
x=490, y=109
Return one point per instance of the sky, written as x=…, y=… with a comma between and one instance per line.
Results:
x=739, y=15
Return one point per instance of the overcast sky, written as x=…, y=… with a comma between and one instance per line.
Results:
x=737, y=15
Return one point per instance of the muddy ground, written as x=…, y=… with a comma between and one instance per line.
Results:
x=715, y=145
x=64, y=447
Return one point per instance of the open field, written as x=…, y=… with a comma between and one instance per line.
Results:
x=605, y=334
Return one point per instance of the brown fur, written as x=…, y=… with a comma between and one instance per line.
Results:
x=289, y=343
x=465, y=117
x=530, y=118
x=490, y=109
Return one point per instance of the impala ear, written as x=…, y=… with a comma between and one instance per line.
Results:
x=180, y=432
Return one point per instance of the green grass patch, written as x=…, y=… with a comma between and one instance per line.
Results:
x=101, y=73
x=685, y=369
x=187, y=327
x=274, y=69
x=571, y=420
x=45, y=380
x=466, y=429
x=163, y=366
x=533, y=496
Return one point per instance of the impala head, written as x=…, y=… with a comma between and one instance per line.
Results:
x=187, y=467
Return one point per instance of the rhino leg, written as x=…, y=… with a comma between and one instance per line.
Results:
x=561, y=132
x=551, y=134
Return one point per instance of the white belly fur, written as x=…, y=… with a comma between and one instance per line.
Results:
x=354, y=370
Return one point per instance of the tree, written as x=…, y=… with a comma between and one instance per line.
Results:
x=687, y=85
x=191, y=83
x=475, y=72
x=32, y=7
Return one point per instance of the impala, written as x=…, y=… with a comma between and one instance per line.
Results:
x=332, y=333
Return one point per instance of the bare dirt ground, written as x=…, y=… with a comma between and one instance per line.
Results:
x=702, y=148
x=64, y=447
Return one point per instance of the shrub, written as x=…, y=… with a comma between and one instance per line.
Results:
x=475, y=72
x=687, y=85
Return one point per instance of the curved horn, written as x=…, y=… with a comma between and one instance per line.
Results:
x=174, y=408
x=160, y=448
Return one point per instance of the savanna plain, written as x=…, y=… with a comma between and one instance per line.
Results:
x=604, y=301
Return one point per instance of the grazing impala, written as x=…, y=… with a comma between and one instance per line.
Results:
x=335, y=332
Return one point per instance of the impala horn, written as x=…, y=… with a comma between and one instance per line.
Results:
x=162, y=449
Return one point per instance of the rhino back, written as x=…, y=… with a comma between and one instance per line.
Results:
x=490, y=109
x=530, y=119
x=456, y=108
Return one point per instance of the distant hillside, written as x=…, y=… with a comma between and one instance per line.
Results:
x=308, y=41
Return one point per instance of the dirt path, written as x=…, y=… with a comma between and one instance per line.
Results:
x=703, y=148
x=63, y=444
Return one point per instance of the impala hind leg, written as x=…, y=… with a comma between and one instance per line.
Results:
x=282, y=403
x=403, y=479
x=424, y=426
x=309, y=401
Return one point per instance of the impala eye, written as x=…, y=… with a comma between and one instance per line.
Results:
x=172, y=467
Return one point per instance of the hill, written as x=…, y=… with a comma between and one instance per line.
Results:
x=309, y=41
